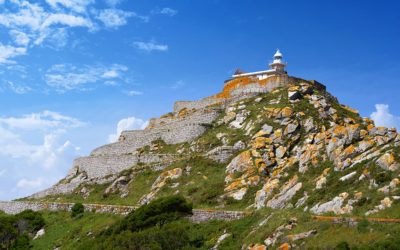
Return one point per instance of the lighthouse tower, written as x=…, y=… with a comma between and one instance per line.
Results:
x=278, y=65
x=277, y=68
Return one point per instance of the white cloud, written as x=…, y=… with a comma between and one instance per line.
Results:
x=113, y=18
x=2, y=172
x=69, y=20
x=130, y=123
x=66, y=77
x=115, y=71
x=133, y=92
x=150, y=46
x=169, y=11
x=75, y=5
x=19, y=89
x=42, y=121
x=20, y=38
x=382, y=117
x=7, y=51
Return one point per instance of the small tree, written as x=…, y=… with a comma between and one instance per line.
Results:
x=77, y=209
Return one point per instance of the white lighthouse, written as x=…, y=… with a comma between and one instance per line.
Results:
x=278, y=64
x=277, y=68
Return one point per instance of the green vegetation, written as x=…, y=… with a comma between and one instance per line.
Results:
x=77, y=210
x=14, y=229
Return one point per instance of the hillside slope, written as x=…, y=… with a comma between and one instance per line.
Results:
x=292, y=148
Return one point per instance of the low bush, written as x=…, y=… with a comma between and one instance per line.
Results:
x=77, y=210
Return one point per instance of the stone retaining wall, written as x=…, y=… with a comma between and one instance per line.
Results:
x=180, y=131
x=104, y=165
x=199, y=215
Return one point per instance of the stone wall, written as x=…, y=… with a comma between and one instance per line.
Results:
x=199, y=215
x=202, y=103
x=183, y=130
x=103, y=165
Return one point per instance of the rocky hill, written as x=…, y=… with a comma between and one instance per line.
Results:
x=277, y=143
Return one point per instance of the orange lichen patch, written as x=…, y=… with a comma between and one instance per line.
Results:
x=294, y=88
x=215, y=104
x=388, y=158
x=335, y=153
x=370, y=126
x=259, y=161
x=289, y=183
x=284, y=246
x=257, y=247
x=348, y=151
x=234, y=185
x=254, y=180
x=365, y=172
x=121, y=138
x=301, y=113
x=229, y=178
x=314, y=160
x=395, y=181
x=261, y=134
x=343, y=195
x=261, y=142
x=205, y=177
x=358, y=195
x=271, y=184
x=380, y=140
x=162, y=123
x=183, y=112
x=324, y=173
x=235, y=84
x=149, y=126
x=286, y=111
x=349, y=109
x=339, y=130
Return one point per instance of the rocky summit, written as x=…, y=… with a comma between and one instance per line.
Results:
x=261, y=145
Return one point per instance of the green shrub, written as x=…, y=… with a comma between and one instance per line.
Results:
x=157, y=212
x=342, y=246
x=77, y=209
x=22, y=242
x=35, y=219
x=363, y=225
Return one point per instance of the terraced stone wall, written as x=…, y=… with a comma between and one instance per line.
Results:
x=14, y=207
x=183, y=130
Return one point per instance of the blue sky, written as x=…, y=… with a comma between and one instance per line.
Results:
x=74, y=73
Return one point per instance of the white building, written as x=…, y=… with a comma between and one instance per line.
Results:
x=277, y=68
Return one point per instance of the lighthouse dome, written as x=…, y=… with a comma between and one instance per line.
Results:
x=278, y=53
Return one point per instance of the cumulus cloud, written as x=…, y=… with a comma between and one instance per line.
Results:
x=130, y=123
x=150, y=46
x=65, y=77
x=383, y=117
